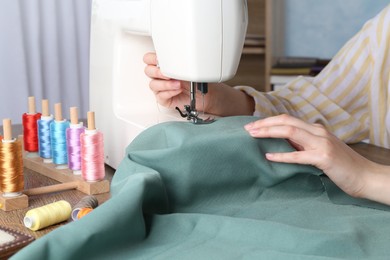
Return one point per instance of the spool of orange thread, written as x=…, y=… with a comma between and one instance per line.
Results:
x=88, y=202
x=11, y=163
x=30, y=128
x=83, y=212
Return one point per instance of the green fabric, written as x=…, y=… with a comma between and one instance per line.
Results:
x=189, y=191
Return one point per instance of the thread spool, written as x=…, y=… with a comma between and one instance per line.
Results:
x=44, y=142
x=92, y=152
x=58, y=138
x=30, y=128
x=73, y=142
x=11, y=163
x=48, y=215
x=80, y=209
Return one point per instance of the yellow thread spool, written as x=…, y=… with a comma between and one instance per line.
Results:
x=47, y=215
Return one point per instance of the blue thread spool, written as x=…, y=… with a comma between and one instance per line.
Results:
x=44, y=142
x=58, y=138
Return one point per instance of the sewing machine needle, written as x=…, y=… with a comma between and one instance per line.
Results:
x=203, y=103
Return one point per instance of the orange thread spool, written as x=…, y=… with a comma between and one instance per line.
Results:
x=11, y=163
x=83, y=212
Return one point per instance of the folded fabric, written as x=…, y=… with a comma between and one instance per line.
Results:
x=189, y=191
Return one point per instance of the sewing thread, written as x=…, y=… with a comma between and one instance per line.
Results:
x=89, y=201
x=30, y=131
x=84, y=211
x=58, y=141
x=50, y=214
x=44, y=142
x=74, y=146
x=11, y=168
x=92, y=155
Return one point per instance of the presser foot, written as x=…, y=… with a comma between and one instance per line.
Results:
x=192, y=116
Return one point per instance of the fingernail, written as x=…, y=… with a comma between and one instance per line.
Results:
x=249, y=126
x=176, y=84
x=253, y=132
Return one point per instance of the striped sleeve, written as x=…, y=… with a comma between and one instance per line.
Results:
x=343, y=96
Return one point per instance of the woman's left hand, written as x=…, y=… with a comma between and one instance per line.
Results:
x=318, y=147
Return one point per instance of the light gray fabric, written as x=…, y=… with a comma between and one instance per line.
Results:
x=44, y=52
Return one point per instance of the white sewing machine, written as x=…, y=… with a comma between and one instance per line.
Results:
x=195, y=40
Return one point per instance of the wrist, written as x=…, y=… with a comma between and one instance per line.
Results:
x=376, y=180
x=224, y=100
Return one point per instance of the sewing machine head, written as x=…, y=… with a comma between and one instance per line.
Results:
x=195, y=40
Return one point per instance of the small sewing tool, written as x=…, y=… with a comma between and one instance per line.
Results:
x=190, y=111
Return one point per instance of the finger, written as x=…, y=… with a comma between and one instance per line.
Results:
x=153, y=72
x=299, y=157
x=286, y=120
x=150, y=58
x=165, y=98
x=300, y=137
x=165, y=85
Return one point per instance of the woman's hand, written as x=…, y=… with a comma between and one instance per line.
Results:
x=221, y=99
x=169, y=92
x=318, y=147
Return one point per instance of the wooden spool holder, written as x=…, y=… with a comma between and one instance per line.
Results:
x=66, y=178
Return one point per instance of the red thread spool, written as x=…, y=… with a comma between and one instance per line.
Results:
x=30, y=132
x=30, y=127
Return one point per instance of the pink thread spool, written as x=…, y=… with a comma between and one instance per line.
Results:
x=92, y=152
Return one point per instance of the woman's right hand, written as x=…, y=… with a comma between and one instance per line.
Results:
x=169, y=92
x=221, y=99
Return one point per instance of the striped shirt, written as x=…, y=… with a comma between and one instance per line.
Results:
x=350, y=96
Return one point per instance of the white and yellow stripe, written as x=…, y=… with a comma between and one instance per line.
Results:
x=350, y=96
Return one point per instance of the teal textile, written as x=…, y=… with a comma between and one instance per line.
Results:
x=189, y=191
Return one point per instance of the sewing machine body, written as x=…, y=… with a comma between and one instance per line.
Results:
x=195, y=40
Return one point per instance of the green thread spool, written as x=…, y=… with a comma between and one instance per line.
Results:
x=50, y=214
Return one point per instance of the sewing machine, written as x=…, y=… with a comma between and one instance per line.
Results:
x=195, y=40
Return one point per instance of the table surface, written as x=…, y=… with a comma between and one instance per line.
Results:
x=14, y=219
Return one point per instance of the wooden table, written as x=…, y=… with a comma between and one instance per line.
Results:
x=14, y=219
